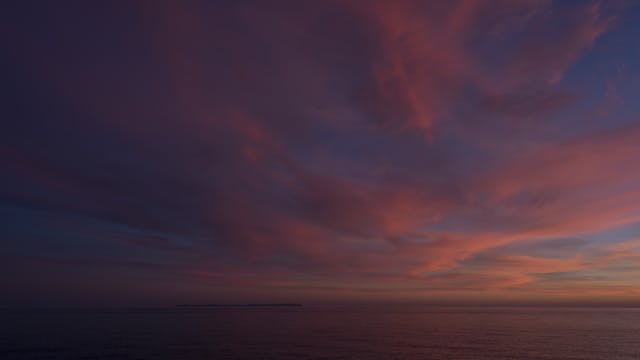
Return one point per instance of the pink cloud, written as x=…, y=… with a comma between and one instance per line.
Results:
x=251, y=136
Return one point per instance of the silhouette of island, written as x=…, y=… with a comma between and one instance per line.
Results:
x=242, y=305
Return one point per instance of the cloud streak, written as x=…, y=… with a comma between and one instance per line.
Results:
x=404, y=149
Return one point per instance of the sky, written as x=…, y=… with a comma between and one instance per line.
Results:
x=167, y=152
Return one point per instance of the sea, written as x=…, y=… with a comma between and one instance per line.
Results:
x=322, y=332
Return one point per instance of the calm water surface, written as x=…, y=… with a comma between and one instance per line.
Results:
x=319, y=332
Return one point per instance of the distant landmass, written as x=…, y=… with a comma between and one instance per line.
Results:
x=242, y=305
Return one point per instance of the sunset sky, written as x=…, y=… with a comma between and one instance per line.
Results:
x=165, y=152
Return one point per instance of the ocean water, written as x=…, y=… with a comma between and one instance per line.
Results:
x=322, y=332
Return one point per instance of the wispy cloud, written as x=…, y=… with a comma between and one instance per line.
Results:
x=347, y=148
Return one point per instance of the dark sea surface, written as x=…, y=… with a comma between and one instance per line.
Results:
x=322, y=332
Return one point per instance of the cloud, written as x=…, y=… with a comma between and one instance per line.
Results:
x=348, y=147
